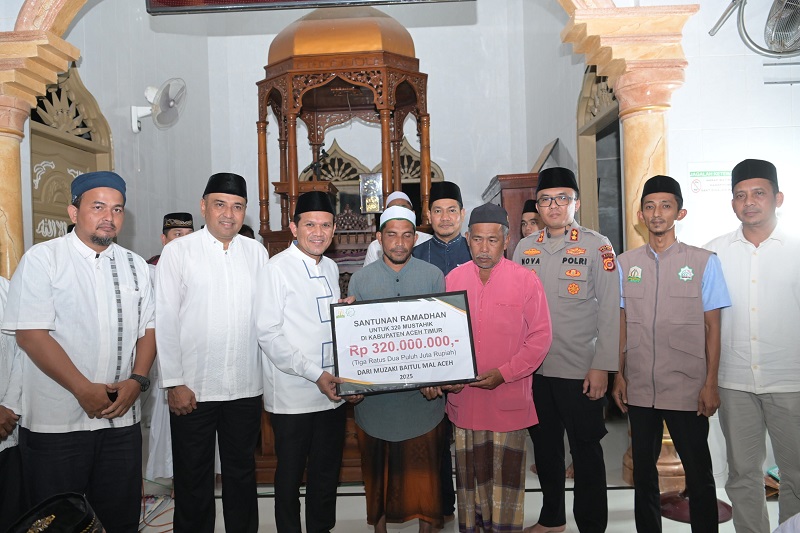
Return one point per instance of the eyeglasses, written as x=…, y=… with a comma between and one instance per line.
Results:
x=560, y=200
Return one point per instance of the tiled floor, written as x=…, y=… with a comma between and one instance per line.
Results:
x=351, y=507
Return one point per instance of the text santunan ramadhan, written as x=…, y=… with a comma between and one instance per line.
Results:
x=395, y=319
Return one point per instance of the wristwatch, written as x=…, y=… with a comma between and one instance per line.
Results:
x=143, y=381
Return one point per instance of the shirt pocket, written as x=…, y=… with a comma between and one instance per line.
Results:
x=514, y=396
x=573, y=282
x=634, y=297
x=685, y=303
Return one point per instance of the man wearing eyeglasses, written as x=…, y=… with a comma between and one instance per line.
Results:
x=578, y=270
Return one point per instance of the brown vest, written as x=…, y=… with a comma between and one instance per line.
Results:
x=665, y=363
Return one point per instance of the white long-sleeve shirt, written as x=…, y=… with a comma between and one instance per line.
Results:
x=10, y=372
x=205, y=335
x=294, y=330
x=760, y=335
x=96, y=306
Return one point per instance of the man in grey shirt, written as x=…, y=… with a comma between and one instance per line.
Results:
x=400, y=434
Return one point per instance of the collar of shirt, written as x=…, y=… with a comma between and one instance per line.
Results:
x=436, y=240
x=671, y=249
x=496, y=270
x=778, y=234
x=299, y=254
x=86, y=252
x=219, y=244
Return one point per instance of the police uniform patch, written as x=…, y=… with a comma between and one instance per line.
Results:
x=573, y=273
x=532, y=251
x=686, y=273
x=573, y=288
x=576, y=251
x=573, y=235
x=606, y=248
x=635, y=274
x=541, y=236
x=608, y=262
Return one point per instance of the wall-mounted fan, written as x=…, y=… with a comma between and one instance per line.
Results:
x=782, y=31
x=167, y=103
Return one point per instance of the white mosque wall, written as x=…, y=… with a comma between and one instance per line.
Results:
x=725, y=113
x=492, y=110
x=123, y=51
x=8, y=14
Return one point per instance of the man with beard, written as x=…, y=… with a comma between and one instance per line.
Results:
x=448, y=248
x=295, y=291
x=374, y=250
x=210, y=362
x=759, y=371
x=82, y=309
x=670, y=338
x=578, y=270
x=400, y=434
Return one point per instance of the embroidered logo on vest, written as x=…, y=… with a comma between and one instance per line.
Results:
x=686, y=273
x=635, y=274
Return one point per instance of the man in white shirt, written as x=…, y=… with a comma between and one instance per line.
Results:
x=209, y=360
x=159, y=458
x=82, y=309
x=374, y=251
x=759, y=371
x=12, y=501
x=293, y=321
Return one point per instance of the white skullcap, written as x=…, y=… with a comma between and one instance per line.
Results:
x=398, y=195
x=397, y=212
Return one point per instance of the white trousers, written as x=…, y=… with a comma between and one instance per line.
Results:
x=745, y=417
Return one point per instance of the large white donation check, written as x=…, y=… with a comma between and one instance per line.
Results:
x=403, y=343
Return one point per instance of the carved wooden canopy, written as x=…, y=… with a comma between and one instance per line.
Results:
x=330, y=67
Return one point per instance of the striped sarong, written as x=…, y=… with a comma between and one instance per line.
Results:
x=490, y=480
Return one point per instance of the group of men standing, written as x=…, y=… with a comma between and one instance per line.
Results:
x=687, y=329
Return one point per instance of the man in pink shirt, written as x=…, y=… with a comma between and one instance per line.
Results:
x=512, y=333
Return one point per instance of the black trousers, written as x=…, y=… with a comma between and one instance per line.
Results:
x=13, y=498
x=314, y=441
x=561, y=405
x=235, y=424
x=689, y=433
x=105, y=465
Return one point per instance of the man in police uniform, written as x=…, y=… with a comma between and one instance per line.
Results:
x=578, y=270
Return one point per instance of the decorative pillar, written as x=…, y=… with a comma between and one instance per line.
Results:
x=291, y=133
x=13, y=114
x=639, y=50
x=644, y=96
x=29, y=61
x=425, y=166
x=263, y=177
x=386, y=151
